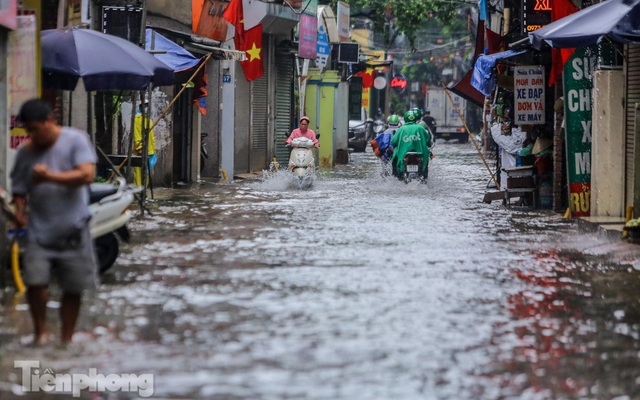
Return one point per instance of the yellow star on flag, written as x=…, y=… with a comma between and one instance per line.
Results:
x=254, y=52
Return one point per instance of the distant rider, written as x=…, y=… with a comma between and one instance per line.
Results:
x=302, y=131
x=410, y=137
x=381, y=145
x=431, y=123
x=431, y=137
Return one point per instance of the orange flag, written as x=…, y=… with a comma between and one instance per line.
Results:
x=249, y=41
x=559, y=57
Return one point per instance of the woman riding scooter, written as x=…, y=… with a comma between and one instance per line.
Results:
x=411, y=137
x=302, y=131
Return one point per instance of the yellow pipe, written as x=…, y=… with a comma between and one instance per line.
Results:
x=15, y=267
x=224, y=174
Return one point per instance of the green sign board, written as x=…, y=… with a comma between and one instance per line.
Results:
x=578, y=88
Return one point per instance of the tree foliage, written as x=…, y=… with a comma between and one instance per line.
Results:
x=406, y=17
x=422, y=72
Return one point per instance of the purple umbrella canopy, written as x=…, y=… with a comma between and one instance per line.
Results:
x=103, y=61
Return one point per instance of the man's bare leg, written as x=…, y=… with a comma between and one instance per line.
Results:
x=69, y=311
x=37, y=296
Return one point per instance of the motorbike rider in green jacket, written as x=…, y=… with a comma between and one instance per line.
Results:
x=410, y=137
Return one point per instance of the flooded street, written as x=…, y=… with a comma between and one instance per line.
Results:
x=358, y=288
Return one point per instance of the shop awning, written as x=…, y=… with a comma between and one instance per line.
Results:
x=483, y=77
x=618, y=20
x=463, y=87
x=193, y=43
x=276, y=19
x=174, y=56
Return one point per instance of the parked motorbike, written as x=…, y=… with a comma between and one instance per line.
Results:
x=109, y=203
x=301, y=161
x=413, y=168
x=361, y=132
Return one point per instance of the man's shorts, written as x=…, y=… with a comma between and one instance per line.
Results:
x=74, y=269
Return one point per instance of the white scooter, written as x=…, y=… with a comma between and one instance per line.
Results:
x=301, y=161
x=109, y=204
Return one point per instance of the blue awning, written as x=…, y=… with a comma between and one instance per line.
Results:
x=484, y=78
x=176, y=57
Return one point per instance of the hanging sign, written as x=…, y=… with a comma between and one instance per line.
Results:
x=398, y=83
x=578, y=88
x=323, y=49
x=529, y=89
x=308, y=41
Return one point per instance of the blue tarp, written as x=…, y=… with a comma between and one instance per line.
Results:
x=176, y=57
x=484, y=78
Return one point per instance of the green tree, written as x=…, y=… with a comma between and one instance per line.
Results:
x=406, y=17
x=424, y=71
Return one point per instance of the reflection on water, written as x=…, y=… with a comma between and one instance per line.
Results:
x=361, y=287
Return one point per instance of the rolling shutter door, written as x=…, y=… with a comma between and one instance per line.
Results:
x=259, y=111
x=632, y=69
x=284, y=82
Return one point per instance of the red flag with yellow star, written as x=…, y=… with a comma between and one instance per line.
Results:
x=253, y=68
x=249, y=41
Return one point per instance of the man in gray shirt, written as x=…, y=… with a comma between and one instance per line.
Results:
x=50, y=179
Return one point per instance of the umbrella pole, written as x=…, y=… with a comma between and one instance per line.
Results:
x=145, y=149
x=116, y=170
x=147, y=132
x=130, y=150
x=92, y=114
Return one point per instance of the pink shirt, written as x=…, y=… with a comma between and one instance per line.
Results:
x=309, y=134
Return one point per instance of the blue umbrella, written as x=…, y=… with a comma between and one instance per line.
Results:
x=618, y=20
x=103, y=61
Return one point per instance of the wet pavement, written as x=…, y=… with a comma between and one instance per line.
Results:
x=358, y=288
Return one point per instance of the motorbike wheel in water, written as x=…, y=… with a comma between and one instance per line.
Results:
x=107, y=249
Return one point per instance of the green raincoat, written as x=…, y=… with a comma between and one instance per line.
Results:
x=410, y=137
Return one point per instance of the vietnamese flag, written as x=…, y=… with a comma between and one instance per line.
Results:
x=249, y=41
x=559, y=57
x=367, y=77
x=253, y=68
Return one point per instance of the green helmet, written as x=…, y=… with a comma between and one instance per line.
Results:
x=417, y=112
x=410, y=116
x=393, y=120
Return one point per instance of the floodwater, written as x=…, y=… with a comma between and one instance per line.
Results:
x=357, y=288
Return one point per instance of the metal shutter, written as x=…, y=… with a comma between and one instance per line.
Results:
x=260, y=100
x=259, y=104
x=284, y=85
x=632, y=71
